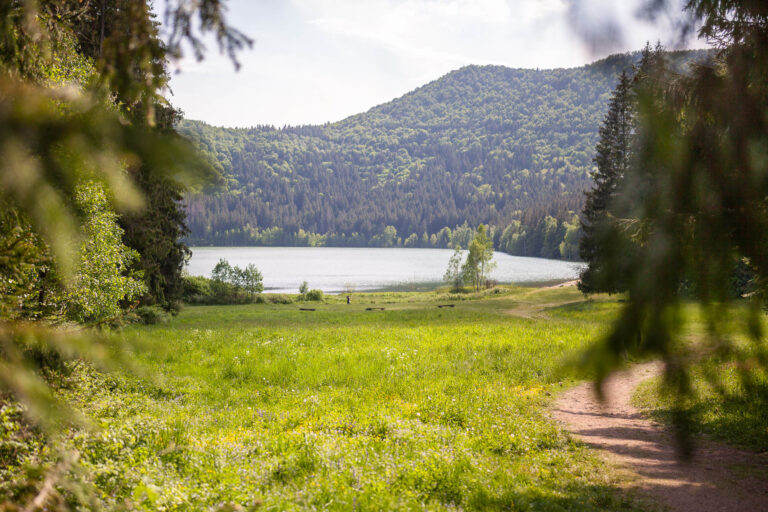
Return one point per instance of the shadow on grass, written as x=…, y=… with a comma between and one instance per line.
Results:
x=741, y=421
x=573, y=498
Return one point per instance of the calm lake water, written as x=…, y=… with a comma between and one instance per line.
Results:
x=334, y=270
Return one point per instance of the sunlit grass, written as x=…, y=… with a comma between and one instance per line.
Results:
x=411, y=408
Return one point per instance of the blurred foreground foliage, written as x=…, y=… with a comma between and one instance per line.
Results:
x=686, y=218
x=85, y=135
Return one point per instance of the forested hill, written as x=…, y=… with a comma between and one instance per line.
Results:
x=484, y=144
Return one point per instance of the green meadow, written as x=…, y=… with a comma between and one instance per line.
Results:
x=729, y=398
x=267, y=407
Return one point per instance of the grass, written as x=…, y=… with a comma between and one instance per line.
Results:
x=728, y=381
x=728, y=403
x=265, y=407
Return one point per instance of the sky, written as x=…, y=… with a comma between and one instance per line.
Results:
x=316, y=61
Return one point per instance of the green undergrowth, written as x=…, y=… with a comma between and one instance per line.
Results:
x=267, y=407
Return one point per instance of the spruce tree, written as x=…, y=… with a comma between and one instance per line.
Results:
x=699, y=192
x=612, y=159
x=156, y=232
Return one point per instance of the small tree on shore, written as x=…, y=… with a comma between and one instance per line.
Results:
x=453, y=274
x=251, y=279
x=479, y=258
x=224, y=276
x=223, y=272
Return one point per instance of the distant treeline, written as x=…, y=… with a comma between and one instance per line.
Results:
x=536, y=234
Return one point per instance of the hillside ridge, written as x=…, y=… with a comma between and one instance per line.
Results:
x=489, y=144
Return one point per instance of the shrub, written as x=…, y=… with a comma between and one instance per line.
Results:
x=222, y=289
x=196, y=286
x=278, y=298
x=315, y=295
x=247, y=279
x=201, y=290
x=152, y=314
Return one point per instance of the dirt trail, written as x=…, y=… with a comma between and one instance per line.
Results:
x=562, y=285
x=719, y=478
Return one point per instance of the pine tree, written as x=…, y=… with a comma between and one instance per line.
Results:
x=612, y=159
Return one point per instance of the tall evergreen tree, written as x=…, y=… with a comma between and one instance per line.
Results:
x=612, y=159
x=698, y=193
x=156, y=232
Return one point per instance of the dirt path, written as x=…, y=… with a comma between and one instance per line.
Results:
x=562, y=285
x=720, y=478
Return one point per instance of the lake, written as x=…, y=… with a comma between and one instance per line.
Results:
x=336, y=269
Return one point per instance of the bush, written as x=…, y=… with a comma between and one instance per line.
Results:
x=277, y=298
x=222, y=289
x=248, y=279
x=201, y=290
x=150, y=315
x=227, y=285
x=314, y=295
x=173, y=308
x=195, y=286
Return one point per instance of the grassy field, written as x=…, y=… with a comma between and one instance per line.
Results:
x=729, y=403
x=412, y=408
x=729, y=388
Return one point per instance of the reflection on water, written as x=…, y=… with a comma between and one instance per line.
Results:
x=334, y=270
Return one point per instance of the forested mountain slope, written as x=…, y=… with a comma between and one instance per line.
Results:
x=507, y=147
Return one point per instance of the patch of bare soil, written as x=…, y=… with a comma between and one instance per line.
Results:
x=719, y=478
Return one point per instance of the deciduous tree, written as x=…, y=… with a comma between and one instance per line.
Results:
x=479, y=258
x=102, y=280
x=454, y=275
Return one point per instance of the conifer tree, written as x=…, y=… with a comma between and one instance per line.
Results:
x=612, y=159
x=697, y=193
x=156, y=232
